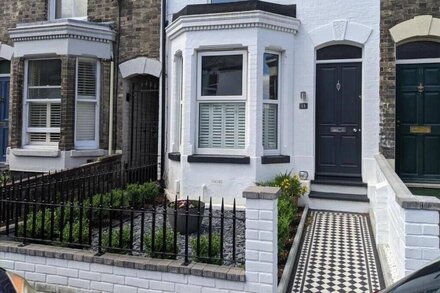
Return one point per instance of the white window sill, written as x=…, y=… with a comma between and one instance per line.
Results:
x=36, y=152
x=87, y=153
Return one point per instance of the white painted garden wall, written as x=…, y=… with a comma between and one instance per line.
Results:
x=406, y=227
x=320, y=23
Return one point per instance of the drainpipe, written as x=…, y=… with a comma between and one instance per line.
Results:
x=163, y=89
x=110, y=122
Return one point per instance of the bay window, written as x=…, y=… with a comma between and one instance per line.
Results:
x=270, y=102
x=87, y=97
x=43, y=102
x=221, y=102
x=68, y=9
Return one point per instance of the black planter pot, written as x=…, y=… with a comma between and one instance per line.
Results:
x=194, y=221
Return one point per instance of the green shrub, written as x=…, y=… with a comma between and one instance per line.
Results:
x=144, y=193
x=286, y=216
x=76, y=232
x=158, y=244
x=40, y=225
x=291, y=188
x=204, y=249
x=126, y=243
x=290, y=185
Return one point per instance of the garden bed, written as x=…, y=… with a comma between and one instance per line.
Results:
x=283, y=254
x=136, y=221
x=289, y=214
x=228, y=248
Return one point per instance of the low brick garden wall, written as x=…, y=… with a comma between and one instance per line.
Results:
x=53, y=269
x=406, y=227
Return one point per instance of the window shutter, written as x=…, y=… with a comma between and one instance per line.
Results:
x=86, y=103
x=270, y=126
x=55, y=115
x=37, y=115
x=85, y=121
x=222, y=125
x=86, y=80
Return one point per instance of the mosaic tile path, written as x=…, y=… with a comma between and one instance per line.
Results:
x=337, y=255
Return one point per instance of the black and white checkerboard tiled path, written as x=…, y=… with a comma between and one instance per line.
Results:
x=337, y=255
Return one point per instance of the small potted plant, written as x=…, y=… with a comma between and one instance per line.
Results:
x=177, y=216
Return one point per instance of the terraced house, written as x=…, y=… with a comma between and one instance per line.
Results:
x=222, y=95
x=75, y=94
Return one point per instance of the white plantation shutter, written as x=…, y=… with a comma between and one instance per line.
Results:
x=37, y=115
x=222, y=125
x=270, y=126
x=86, y=104
x=55, y=115
x=43, y=101
x=85, y=121
x=86, y=80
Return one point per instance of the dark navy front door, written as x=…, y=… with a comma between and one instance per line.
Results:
x=338, y=120
x=4, y=116
x=418, y=122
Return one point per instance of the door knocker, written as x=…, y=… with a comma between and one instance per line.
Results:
x=338, y=86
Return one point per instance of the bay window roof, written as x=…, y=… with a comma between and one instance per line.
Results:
x=239, y=6
x=63, y=37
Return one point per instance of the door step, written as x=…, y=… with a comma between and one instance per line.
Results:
x=339, y=189
x=339, y=196
x=346, y=181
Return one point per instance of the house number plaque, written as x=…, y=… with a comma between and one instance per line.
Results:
x=420, y=129
x=303, y=106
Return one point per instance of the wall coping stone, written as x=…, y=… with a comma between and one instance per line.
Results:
x=262, y=192
x=404, y=197
x=126, y=261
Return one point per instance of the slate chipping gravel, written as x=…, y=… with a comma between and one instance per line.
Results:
x=216, y=224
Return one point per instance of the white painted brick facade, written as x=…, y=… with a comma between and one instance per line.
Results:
x=298, y=74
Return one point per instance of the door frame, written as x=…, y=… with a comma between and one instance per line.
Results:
x=315, y=116
x=425, y=61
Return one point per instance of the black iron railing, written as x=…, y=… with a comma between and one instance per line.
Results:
x=100, y=209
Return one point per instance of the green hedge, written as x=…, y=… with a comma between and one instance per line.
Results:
x=204, y=249
x=135, y=195
x=116, y=240
x=158, y=244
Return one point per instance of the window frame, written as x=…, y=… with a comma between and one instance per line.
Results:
x=52, y=11
x=221, y=99
x=178, y=91
x=277, y=102
x=26, y=143
x=88, y=144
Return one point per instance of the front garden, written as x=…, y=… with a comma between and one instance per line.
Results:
x=138, y=220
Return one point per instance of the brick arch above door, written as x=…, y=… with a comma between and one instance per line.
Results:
x=423, y=26
x=6, y=51
x=340, y=31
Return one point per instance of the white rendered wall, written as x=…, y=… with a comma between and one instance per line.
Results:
x=298, y=74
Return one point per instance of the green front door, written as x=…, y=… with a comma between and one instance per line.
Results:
x=418, y=122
